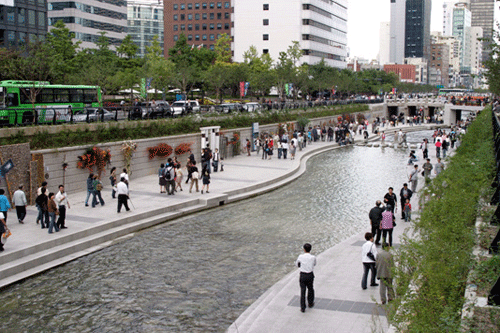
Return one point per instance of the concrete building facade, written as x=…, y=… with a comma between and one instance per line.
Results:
x=418, y=28
x=462, y=31
x=483, y=15
x=448, y=17
x=421, y=69
x=384, y=55
x=439, y=64
x=145, y=20
x=87, y=18
x=405, y=72
x=320, y=27
x=22, y=21
x=397, y=37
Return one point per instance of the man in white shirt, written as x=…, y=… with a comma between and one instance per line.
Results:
x=122, y=190
x=20, y=202
x=369, y=261
x=306, y=263
x=124, y=175
x=62, y=201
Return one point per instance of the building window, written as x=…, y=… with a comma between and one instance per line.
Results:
x=204, y=37
x=204, y=16
x=266, y=6
x=183, y=27
x=175, y=38
x=212, y=37
x=196, y=27
x=226, y=26
x=265, y=51
x=227, y=4
x=176, y=6
x=196, y=37
x=190, y=37
x=183, y=17
x=190, y=6
x=219, y=26
x=196, y=16
x=183, y=6
x=212, y=5
x=212, y=16
x=176, y=27
x=190, y=17
x=212, y=47
x=265, y=21
x=197, y=6
x=190, y=27
x=219, y=16
x=204, y=5
x=204, y=27
x=226, y=15
x=265, y=37
x=31, y=17
x=212, y=26
x=21, y=13
x=219, y=4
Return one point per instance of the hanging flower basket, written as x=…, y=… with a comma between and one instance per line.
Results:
x=94, y=157
x=162, y=150
x=182, y=148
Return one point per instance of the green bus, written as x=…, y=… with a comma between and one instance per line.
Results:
x=54, y=103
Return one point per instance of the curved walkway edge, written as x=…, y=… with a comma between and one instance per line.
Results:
x=30, y=251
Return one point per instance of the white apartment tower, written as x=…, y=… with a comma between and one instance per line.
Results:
x=384, y=54
x=397, y=37
x=448, y=17
x=320, y=26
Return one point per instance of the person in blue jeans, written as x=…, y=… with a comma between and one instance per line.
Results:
x=53, y=211
x=90, y=188
x=97, y=187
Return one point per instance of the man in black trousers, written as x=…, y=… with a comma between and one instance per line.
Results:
x=375, y=216
x=306, y=263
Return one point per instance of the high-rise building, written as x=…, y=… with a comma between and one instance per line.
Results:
x=397, y=37
x=145, y=20
x=454, y=56
x=201, y=22
x=462, y=31
x=483, y=15
x=320, y=27
x=448, y=17
x=88, y=18
x=439, y=64
x=22, y=21
x=418, y=28
x=384, y=53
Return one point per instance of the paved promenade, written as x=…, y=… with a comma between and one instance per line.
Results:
x=341, y=305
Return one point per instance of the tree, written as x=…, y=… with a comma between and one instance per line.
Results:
x=493, y=64
x=223, y=48
x=127, y=48
x=63, y=51
x=260, y=71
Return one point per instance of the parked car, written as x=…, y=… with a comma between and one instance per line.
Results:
x=160, y=110
x=228, y=107
x=181, y=108
x=250, y=107
x=140, y=110
x=94, y=114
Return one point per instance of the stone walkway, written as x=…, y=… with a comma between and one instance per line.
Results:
x=341, y=304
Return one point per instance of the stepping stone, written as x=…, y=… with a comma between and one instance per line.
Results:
x=370, y=145
x=376, y=145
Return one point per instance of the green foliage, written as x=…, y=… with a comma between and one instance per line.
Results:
x=438, y=258
x=493, y=64
x=223, y=48
x=127, y=48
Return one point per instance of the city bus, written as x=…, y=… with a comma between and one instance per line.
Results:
x=53, y=102
x=454, y=91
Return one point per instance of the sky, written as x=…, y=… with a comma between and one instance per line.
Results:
x=364, y=17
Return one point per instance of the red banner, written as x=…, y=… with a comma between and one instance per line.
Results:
x=242, y=89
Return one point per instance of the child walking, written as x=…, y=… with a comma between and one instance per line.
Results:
x=407, y=210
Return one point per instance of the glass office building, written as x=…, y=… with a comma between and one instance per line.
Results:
x=418, y=28
x=145, y=20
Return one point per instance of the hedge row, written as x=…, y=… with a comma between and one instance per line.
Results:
x=435, y=261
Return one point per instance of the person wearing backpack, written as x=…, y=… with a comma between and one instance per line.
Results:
x=169, y=175
x=97, y=191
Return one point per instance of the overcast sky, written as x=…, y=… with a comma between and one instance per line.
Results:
x=364, y=24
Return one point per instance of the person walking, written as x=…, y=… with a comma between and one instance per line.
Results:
x=425, y=148
x=3, y=228
x=248, y=146
x=20, y=202
x=306, y=262
x=413, y=179
x=427, y=166
x=438, y=147
x=62, y=201
x=90, y=188
x=124, y=175
x=390, y=199
x=4, y=204
x=216, y=159
x=438, y=167
x=407, y=210
x=161, y=178
x=387, y=225
x=444, y=146
x=384, y=266
x=404, y=194
x=368, y=257
x=97, y=184
x=52, y=208
x=43, y=213
x=170, y=177
x=179, y=176
x=112, y=179
x=194, y=176
x=375, y=216
x=206, y=179
x=122, y=190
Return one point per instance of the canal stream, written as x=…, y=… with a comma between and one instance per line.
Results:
x=200, y=272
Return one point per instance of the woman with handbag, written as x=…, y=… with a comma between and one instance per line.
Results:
x=369, y=257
